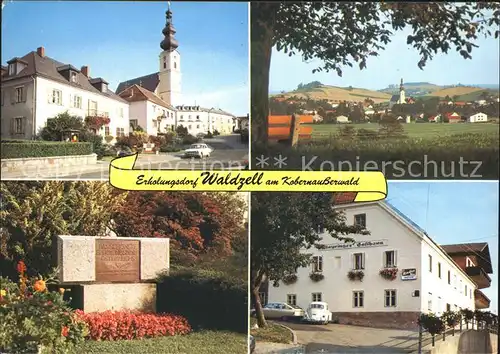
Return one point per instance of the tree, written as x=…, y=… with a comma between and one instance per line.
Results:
x=53, y=131
x=343, y=33
x=34, y=213
x=282, y=225
x=196, y=223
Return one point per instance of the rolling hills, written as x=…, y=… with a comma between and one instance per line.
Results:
x=337, y=94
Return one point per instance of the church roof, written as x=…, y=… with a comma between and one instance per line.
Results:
x=395, y=98
x=149, y=82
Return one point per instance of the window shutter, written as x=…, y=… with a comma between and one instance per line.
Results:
x=24, y=125
x=49, y=96
x=12, y=120
x=363, y=261
x=13, y=96
x=71, y=101
x=352, y=261
x=25, y=94
x=384, y=258
x=396, y=258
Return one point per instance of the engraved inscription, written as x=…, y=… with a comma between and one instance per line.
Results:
x=117, y=261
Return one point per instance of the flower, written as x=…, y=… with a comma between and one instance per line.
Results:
x=64, y=331
x=40, y=286
x=3, y=292
x=21, y=267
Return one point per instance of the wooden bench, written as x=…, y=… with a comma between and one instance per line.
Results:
x=280, y=127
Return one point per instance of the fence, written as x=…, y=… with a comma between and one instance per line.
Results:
x=282, y=127
x=425, y=338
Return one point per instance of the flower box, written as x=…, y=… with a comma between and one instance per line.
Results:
x=354, y=275
x=290, y=279
x=316, y=276
x=389, y=273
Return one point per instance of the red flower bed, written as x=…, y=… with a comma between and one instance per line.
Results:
x=114, y=325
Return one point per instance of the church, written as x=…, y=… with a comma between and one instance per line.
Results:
x=156, y=99
x=398, y=99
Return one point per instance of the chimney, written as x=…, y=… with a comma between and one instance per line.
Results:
x=41, y=51
x=85, y=71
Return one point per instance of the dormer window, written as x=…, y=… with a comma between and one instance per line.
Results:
x=73, y=77
x=104, y=87
x=12, y=69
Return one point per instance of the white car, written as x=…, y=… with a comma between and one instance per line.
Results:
x=318, y=312
x=281, y=310
x=198, y=150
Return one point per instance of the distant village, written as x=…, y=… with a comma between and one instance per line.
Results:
x=418, y=109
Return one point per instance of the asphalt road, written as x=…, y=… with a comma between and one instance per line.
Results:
x=218, y=160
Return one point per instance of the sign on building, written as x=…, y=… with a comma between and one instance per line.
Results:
x=409, y=274
x=336, y=246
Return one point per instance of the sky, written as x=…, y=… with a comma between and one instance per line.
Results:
x=454, y=212
x=397, y=61
x=120, y=40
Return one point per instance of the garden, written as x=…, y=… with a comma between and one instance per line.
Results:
x=207, y=311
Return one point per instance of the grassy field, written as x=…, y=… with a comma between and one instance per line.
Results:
x=415, y=130
x=339, y=94
x=199, y=342
x=272, y=333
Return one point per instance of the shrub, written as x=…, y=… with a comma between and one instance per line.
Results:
x=96, y=141
x=56, y=126
x=33, y=318
x=433, y=324
x=169, y=148
x=215, y=132
x=189, y=139
x=115, y=325
x=181, y=131
x=32, y=148
x=451, y=318
x=207, y=299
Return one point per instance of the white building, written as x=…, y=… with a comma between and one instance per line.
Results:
x=426, y=280
x=478, y=117
x=342, y=119
x=166, y=84
x=36, y=88
x=398, y=99
x=148, y=111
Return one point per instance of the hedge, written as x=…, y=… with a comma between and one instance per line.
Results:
x=25, y=149
x=207, y=299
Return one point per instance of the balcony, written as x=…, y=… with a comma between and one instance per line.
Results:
x=481, y=301
x=479, y=276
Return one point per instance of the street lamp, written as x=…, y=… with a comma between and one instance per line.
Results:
x=159, y=119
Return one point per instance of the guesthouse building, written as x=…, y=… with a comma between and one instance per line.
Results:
x=384, y=279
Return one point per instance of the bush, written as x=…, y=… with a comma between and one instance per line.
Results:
x=209, y=135
x=216, y=132
x=207, y=299
x=32, y=148
x=181, y=131
x=433, y=324
x=116, y=325
x=169, y=148
x=189, y=139
x=96, y=141
x=32, y=318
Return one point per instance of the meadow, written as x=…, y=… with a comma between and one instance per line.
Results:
x=413, y=130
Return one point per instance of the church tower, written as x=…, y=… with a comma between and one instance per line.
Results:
x=169, y=87
x=402, y=98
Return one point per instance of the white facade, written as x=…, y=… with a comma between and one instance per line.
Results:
x=478, y=117
x=169, y=86
x=201, y=120
x=145, y=114
x=45, y=98
x=342, y=119
x=392, y=238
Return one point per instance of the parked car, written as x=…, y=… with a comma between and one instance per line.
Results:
x=318, y=312
x=198, y=150
x=252, y=344
x=125, y=151
x=281, y=310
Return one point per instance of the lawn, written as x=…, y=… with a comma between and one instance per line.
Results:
x=414, y=130
x=198, y=342
x=272, y=333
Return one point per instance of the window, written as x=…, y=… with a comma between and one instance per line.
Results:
x=455, y=281
x=389, y=259
x=429, y=302
x=19, y=94
x=181, y=118
x=190, y=126
x=197, y=126
x=316, y=297
x=439, y=270
x=56, y=97
x=134, y=123
x=337, y=262
x=291, y=299
x=438, y=310
x=468, y=262
x=390, y=298
x=357, y=299
x=360, y=220
x=317, y=264
x=175, y=65
x=18, y=127
x=197, y=117
x=359, y=261
x=470, y=293
x=263, y=298
x=120, y=132
x=73, y=77
x=77, y=101
x=465, y=292
x=320, y=229
x=120, y=112
x=448, y=307
x=11, y=69
x=106, y=130
x=460, y=288
x=104, y=88
x=430, y=263
x=449, y=277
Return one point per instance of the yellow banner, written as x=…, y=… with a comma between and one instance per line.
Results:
x=369, y=186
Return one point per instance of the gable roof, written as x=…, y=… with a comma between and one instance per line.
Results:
x=51, y=69
x=149, y=82
x=480, y=249
x=395, y=98
x=137, y=93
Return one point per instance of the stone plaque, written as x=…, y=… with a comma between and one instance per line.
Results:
x=117, y=261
